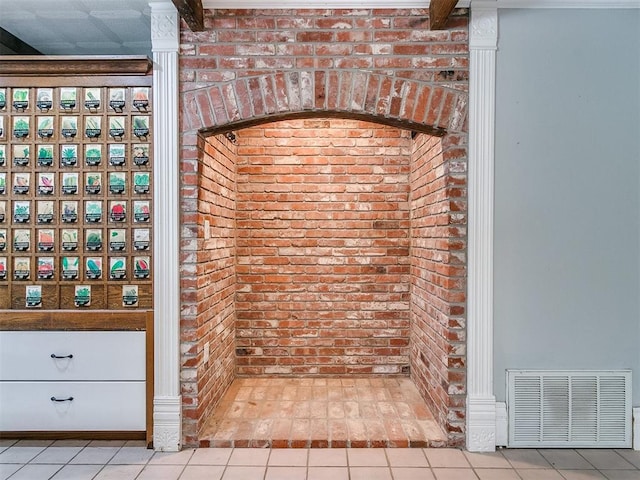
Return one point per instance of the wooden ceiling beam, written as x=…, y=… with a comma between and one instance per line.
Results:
x=439, y=11
x=191, y=12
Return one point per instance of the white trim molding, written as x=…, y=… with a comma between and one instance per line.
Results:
x=320, y=4
x=556, y=3
x=636, y=429
x=481, y=403
x=167, y=402
x=302, y=4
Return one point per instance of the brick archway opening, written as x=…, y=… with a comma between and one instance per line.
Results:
x=241, y=286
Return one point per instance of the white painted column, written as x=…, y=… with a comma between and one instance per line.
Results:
x=167, y=402
x=481, y=403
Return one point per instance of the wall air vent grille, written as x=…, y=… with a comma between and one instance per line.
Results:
x=583, y=408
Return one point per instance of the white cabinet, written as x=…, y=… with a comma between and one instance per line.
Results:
x=61, y=380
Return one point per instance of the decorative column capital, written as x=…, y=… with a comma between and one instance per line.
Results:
x=165, y=27
x=484, y=28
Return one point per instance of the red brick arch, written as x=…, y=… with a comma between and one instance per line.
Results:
x=399, y=102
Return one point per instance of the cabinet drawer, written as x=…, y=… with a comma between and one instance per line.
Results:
x=28, y=406
x=86, y=355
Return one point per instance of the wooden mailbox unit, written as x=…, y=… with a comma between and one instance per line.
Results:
x=76, y=233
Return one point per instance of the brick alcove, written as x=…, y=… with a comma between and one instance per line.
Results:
x=226, y=85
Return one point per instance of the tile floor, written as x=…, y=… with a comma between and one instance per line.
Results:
x=322, y=412
x=113, y=460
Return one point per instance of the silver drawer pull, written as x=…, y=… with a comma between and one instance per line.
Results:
x=53, y=355
x=54, y=399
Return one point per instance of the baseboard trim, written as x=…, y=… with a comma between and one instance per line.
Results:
x=502, y=425
x=74, y=435
x=636, y=429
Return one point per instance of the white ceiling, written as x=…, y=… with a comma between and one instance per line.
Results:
x=80, y=27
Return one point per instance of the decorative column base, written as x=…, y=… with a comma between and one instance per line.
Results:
x=167, y=424
x=481, y=424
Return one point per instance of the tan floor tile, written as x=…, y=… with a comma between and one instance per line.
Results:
x=244, y=473
x=328, y=473
x=539, y=474
x=202, y=472
x=632, y=456
x=581, y=474
x=95, y=455
x=249, y=456
x=59, y=455
x=107, y=443
x=370, y=473
x=135, y=443
x=525, y=458
x=70, y=443
x=36, y=472
x=131, y=456
x=8, y=469
x=210, y=456
x=411, y=473
x=327, y=457
x=16, y=454
x=172, y=458
x=565, y=459
x=487, y=460
x=622, y=474
x=161, y=472
x=286, y=473
x=119, y=472
x=367, y=457
x=497, y=474
x=34, y=443
x=446, y=458
x=454, y=474
x=605, y=459
x=82, y=472
x=288, y=457
x=406, y=457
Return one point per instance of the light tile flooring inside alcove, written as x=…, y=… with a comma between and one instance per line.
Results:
x=322, y=412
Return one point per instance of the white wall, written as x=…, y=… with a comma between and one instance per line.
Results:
x=567, y=191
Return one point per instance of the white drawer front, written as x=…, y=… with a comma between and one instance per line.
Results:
x=94, y=355
x=27, y=406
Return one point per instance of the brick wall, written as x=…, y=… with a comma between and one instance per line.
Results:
x=383, y=65
x=438, y=283
x=323, y=248
x=208, y=315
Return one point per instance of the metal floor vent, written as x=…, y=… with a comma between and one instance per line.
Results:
x=552, y=408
